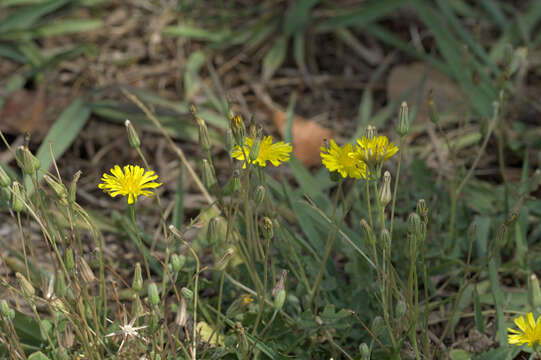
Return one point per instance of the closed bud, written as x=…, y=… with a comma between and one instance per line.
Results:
x=26, y=161
x=534, y=292
x=222, y=262
x=238, y=128
x=137, y=308
x=5, y=180
x=385, y=238
x=17, y=204
x=364, y=350
x=259, y=195
x=204, y=141
x=26, y=287
x=370, y=132
x=267, y=228
x=60, y=288
x=401, y=308
x=377, y=325
x=422, y=210
x=133, y=138
x=137, y=282
x=4, y=308
x=280, y=284
x=254, y=149
x=153, y=294
x=414, y=224
x=177, y=261
x=69, y=260
x=233, y=184
x=385, y=196
x=536, y=180
x=229, y=141
x=187, y=293
x=432, y=112
x=216, y=230
x=86, y=272
x=403, y=120
x=209, y=179
x=182, y=316
x=58, y=188
x=175, y=231
x=62, y=353
x=72, y=193
x=368, y=233
x=280, y=299
x=5, y=194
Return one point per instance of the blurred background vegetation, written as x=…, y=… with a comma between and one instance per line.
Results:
x=307, y=70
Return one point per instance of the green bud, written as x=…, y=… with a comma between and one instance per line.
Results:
x=209, y=179
x=4, y=308
x=259, y=195
x=280, y=299
x=187, y=293
x=137, y=282
x=153, y=294
x=86, y=272
x=432, y=112
x=72, y=193
x=385, y=195
x=204, y=141
x=222, y=262
x=233, y=185
x=238, y=128
x=60, y=288
x=414, y=224
x=267, y=228
x=364, y=351
x=215, y=230
x=534, y=291
x=62, y=353
x=5, y=180
x=401, y=308
x=17, y=204
x=133, y=138
x=377, y=325
x=58, y=188
x=26, y=287
x=403, y=120
x=229, y=141
x=177, y=261
x=368, y=233
x=385, y=238
x=422, y=210
x=5, y=194
x=26, y=161
x=69, y=259
x=254, y=150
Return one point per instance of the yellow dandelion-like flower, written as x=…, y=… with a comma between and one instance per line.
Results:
x=374, y=151
x=131, y=181
x=529, y=331
x=336, y=158
x=275, y=153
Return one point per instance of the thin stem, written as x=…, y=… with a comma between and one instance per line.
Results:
x=131, y=210
x=395, y=190
x=368, y=206
x=23, y=242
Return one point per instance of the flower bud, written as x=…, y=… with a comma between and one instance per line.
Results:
x=182, y=316
x=280, y=299
x=259, y=195
x=401, y=308
x=364, y=350
x=187, y=293
x=177, y=261
x=370, y=132
x=58, y=188
x=414, y=224
x=69, y=260
x=432, y=112
x=5, y=310
x=403, y=120
x=72, y=192
x=233, y=185
x=133, y=138
x=60, y=288
x=267, y=228
x=385, y=238
x=222, y=262
x=209, y=179
x=377, y=325
x=385, y=196
x=5, y=180
x=153, y=294
x=26, y=161
x=422, y=210
x=238, y=128
x=5, y=194
x=534, y=291
x=280, y=284
x=215, y=230
x=86, y=272
x=137, y=282
x=26, y=287
x=17, y=204
x=368, y=233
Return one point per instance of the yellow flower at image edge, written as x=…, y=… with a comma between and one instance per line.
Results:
x=374, y=151
x=529, y=331
x=275, y=153
x=336, y=158
x=131, y=181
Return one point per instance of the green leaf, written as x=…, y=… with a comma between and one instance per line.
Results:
x=22, y=18
x=298, y=16
x=191, y=75
x=458, y=354
x=478, y=314
x=498, y=302
x=194, y=32
x=38, y=355
x=275, y=57
x=71, y=26
x=369, y=12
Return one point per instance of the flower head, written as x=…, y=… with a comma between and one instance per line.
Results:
x=336, y=158
x=529, y=331
x=131, y=181
x=374, y=151
x=275, y=153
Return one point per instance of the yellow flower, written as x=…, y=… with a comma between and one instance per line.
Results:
x=131, y=182
x=275, y=153
x=374, y=151
x=529, y=331
x=336, y=158
x=247, y=299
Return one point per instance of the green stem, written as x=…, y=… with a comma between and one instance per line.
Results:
x=131, y=210
x=395, y=190
x=23, y=242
